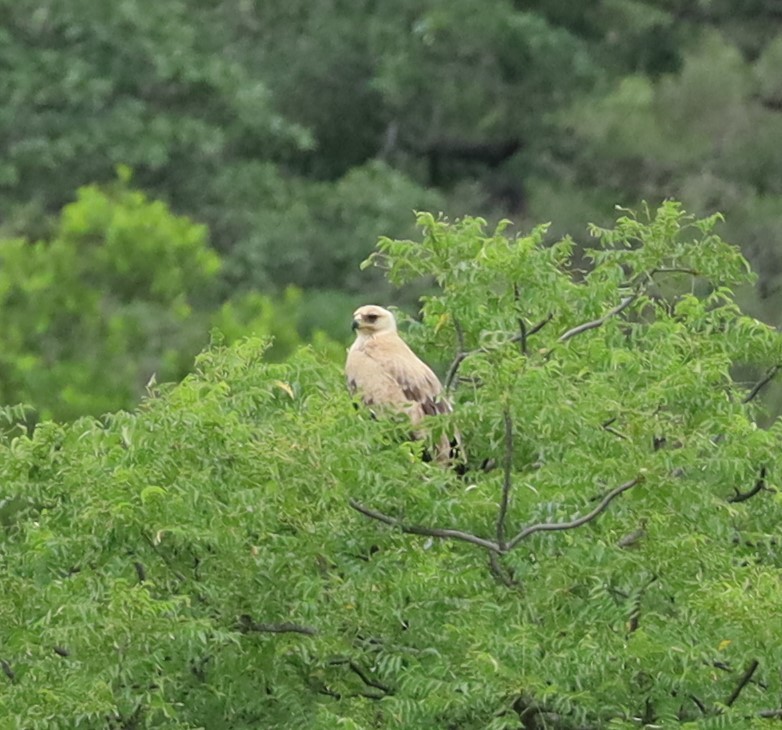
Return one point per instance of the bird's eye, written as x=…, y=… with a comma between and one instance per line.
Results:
x=371, y=318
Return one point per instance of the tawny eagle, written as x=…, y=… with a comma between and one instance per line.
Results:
x=385, y=373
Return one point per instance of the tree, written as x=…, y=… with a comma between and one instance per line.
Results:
x=109, y=301
x=122, y=296
x=245, y=549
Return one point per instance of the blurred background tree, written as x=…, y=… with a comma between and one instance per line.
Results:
x=298, y=133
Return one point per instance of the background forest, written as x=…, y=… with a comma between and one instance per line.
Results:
x=170, y=167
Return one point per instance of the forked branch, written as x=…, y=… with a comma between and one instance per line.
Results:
x=446, y=534
x=462, y=536
x=522, y=336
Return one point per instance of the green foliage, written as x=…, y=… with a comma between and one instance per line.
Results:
x=122, y=296
x=91, y=314
x=211, y=559
x=315, y=233
x=300, y=131
x=288, y=323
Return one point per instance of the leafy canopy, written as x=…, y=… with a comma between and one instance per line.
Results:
x=246, y=550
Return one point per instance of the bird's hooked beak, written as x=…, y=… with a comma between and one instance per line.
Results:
x=354, y=325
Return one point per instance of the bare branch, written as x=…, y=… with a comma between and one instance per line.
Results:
x=606, y=425
x=450, y=534
x=247, y=625
x=362, y=675
x=534, y=330
x=7, y=670
x=743, y=682
x=700, y=704
x=450, y=376
x=501, y=573
x=557, y=526
x=595, y=323
x=760, y=484
x=446, y=534
x=769, y=376
x=674, y=270
x=506, y=479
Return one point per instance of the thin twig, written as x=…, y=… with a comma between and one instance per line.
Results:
x=606, y=425
x=506, y=479
x=462, y=355
x=522, y=326
x=454, y=367
x=595, y=323
x=556, y=526
x=743, y=682
x=534, y=330
x=759, y=485
x=769, y=376
x=7, y=670
x=700, y=704
x=674, y=270
x=427, y=531
x=247, y=625
x=363, y=676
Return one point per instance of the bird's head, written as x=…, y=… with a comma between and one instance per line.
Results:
x=373, y=320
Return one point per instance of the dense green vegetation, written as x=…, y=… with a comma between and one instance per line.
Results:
x=246, y=550
x=299, y=131
x=220, y=540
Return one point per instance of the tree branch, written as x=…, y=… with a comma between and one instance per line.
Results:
x=506, y=479
x=743, y=682
x=462, y=355
x=362, y=675
x=454, y=367
x=446, y=534
x=7, y=670
x=606, y=425
x=674, y=270
x=502, y=574
x=247, y=625
x=769, y=376
x=557, y=526
x=760, y=484
x=595, y=323
x=700, y=704
x=522, y=327
x=534, y=330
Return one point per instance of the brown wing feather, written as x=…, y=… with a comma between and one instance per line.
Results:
x=386, y=371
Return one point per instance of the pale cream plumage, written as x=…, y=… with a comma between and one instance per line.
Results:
x=386, y=373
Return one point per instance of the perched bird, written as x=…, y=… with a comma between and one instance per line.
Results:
x=386, y=373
